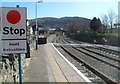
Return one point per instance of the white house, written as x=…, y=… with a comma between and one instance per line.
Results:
x=29, y=28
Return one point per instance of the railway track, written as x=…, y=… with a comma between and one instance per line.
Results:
x=102, y=75
x=103, y=55
x=110, y=60
x=113, y=54
x=98, y=58
x=106, y=50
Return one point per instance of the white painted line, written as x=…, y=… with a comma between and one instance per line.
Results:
x=78, y=71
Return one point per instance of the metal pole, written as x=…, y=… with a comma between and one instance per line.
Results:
x=36, y=29
x=20, y=68
x=0, y=28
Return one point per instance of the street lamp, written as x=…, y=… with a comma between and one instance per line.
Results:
x=37, y=24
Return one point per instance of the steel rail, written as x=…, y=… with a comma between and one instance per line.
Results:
x=102, y=75
x=103, y=55
x=118, y=67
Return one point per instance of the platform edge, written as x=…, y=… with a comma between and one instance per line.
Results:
x=78, y=71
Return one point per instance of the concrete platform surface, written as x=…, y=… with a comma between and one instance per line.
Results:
x=47, y=65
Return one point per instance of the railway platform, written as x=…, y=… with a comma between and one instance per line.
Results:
x=47, y=64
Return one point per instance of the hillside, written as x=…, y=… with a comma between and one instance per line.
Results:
x=58, y=22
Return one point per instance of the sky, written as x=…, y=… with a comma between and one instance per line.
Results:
x=63, y=8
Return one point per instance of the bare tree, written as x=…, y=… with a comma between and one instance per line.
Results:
x=111, y=17
x=116, y=19
x=79, y=27
x=105, y=20
x=71, y=29
x=82, y=27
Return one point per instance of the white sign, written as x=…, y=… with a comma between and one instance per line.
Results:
x=14, y=46
x=13, y=28
x=14, y=23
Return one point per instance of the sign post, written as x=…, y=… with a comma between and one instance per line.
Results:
x=0, y=31
x=14, y=33
x=20, y=67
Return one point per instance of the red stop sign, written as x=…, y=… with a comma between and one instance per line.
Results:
x=13, y=17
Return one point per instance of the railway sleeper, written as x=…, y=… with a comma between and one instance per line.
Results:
x=105, y=77
x=101, y=54
x=118, y=67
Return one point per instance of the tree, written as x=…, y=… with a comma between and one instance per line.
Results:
x=95, y=24
x=81, y=27
x=116, y=19
x=70, y=28
x=99, y=22
x=111, y=17
x=78, y=27
x=105, y=21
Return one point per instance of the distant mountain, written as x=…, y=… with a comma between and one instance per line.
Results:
x=58, y=22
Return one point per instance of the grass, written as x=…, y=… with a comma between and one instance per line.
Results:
x=108, y=34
